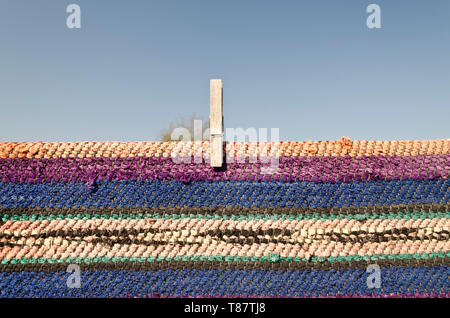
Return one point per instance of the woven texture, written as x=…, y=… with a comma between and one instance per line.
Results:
x=139, y=224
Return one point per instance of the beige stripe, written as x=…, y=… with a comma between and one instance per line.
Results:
x=192, y=227
x=62, y=248
x=341, y=147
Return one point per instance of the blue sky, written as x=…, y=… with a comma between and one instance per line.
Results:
x=311, y=68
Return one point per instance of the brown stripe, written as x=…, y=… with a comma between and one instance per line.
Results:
x=442, y=207
x=227, y=236
x=226, y=265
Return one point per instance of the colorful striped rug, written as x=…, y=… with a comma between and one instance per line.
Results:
x=115, y=219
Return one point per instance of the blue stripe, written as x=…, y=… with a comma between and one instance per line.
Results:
x=103, y=283
x=234, y=193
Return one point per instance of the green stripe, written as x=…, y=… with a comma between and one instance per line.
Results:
x=415, y=215
x=273, y=258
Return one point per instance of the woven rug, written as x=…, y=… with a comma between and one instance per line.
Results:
x=115, y=219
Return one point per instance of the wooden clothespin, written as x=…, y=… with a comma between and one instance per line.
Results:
x=216, y=122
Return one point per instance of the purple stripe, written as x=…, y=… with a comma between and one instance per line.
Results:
x=316, y=169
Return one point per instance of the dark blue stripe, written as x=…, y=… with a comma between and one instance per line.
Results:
x=234, y=193
x=243, y=283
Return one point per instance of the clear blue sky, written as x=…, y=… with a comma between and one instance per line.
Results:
x=311, y=68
